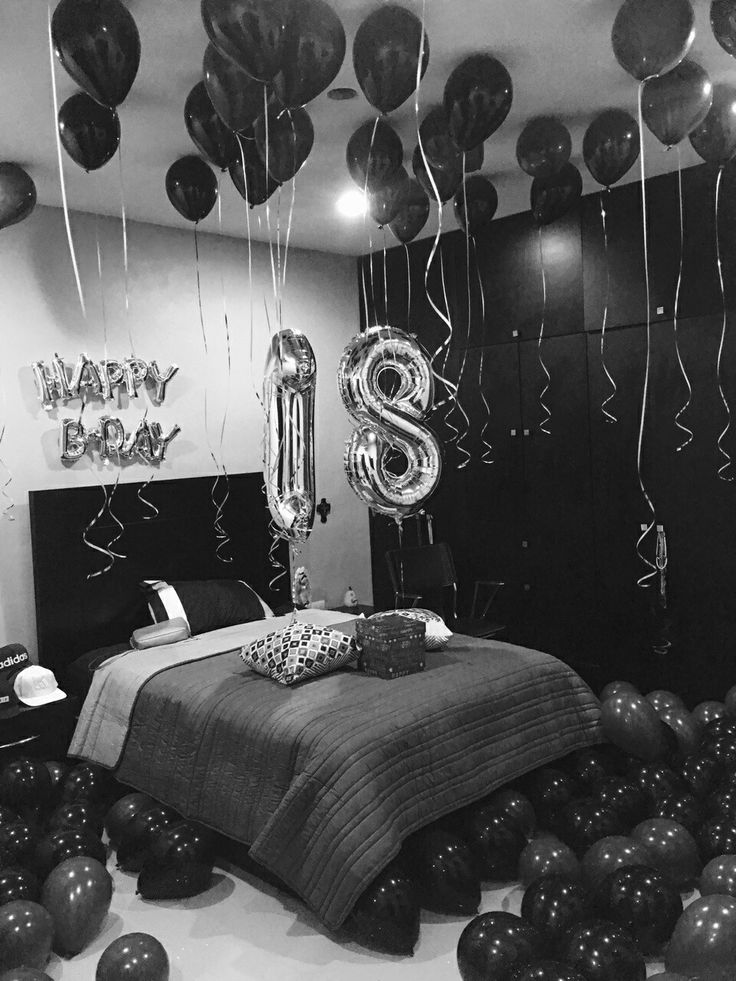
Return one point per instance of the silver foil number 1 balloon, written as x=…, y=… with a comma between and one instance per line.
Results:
x=393, y=460
x=289, y=384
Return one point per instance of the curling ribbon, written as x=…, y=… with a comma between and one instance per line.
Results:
x=8, y=502
x=544, y=424
x=688, y=432
x=487, y=454
x=724, y=453
x=608, y=416
x=145, y=501
x=646, y=529
x=466, y=431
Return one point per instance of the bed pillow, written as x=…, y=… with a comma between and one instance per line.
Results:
x=437, y=633
x=298, y=652
x=205, y=605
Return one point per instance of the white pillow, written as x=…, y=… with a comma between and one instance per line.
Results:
x=437, y=633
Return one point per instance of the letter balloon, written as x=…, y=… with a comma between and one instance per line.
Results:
x=290, y=379
x=393, y=460
x=651, y=37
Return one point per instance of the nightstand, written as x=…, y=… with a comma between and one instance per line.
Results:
x=43, y=732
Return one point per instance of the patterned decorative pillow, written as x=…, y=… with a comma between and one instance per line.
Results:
x=298, y=652
x=438, y=633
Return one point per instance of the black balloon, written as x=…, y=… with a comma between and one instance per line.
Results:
x=723, y=23
x=494, y=943
x=134, y=957
x=517, y=807
x=609, y=854
x=26, y=931
x=87, y=782
x=182, y=842
x=24, y=782
x=79, y=814
x=583, y=822
x=17, y=843
x=57, y=772
x=590, y=768
x=314, y=49
x=475, y=204
x=17, y=196
x=701, y=774
x=17, y=883
x=249, y=175
x=554, y=904
x=7, y=816
x=412, y=216
x=191, y=187
x=25, y=974
x=446, y=180
x=675, y=103
x=139, y=836
x=625, y=799
x=722, y=803
x=657, y=781
x=604, y=951
x=549, y=789
x=445, y=873
x=671, y=849
x=161, y=881
x=642, y=901
x=123, y=811
x=237, y=98
x=477, y=99
x=208, y=132
x=385, y=203
x=284, y=140
x=496, y=841
x=57, y=846
x=683, y=808
x=553, y=197
x=434, y=135
x=545, y=854
x=650, y=37
x=715, y=138
x=611, y=146
x=250, y=32
x=715, y=837
x=386, y=55
x=77, y=894
x=374, y=155
x=386, y=916
x=89, y=132
x=543, y=147
x=98, y=44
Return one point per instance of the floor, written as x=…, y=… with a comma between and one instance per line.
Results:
x=244, y=930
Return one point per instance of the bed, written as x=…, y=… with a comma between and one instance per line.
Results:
x=325, y=780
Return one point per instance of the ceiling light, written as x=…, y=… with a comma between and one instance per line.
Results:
x=341, y=94
x=352, y=204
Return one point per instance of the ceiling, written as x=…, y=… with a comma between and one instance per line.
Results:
x=558, y=53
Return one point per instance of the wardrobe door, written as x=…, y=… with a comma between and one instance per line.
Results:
x=558, y=540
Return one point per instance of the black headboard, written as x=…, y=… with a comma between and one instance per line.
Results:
x=75, y=614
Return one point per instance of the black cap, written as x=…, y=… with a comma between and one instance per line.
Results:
x=13, y=658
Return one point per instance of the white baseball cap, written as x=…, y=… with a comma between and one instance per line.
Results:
x=37, y=686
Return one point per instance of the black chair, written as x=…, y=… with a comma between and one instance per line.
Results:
x=425, y=576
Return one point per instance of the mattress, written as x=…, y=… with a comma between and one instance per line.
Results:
x=325, y=780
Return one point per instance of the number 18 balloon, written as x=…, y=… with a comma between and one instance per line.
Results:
x=386, y=384
x=289, y=384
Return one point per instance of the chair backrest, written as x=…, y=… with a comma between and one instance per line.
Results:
x=421, y=569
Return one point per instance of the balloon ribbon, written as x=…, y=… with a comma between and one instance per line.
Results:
x=724, y=453
x=608, y=416
x=544, y=424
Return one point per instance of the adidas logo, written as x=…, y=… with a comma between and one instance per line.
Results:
x=4, y=699
x=10, y=661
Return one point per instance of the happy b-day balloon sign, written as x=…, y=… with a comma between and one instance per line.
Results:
x=56, y=381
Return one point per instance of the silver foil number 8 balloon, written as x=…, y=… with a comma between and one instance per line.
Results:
x=290, y=379
x=393, y=461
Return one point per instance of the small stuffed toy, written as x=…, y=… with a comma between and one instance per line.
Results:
x=350, y=599
x=302, y=589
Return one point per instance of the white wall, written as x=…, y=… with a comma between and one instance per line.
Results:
x=40, y=315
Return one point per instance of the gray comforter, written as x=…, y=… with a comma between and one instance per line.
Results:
x=325, y=780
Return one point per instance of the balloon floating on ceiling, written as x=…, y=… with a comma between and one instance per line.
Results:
x=439, y=149
x=237, y=98
x=674, y=104
x=17, y=194
x=477, y=98
x=192, y=187
x=552, y=197
x=374, y=155
x=723, y=23
x=412, y=215
x=249, y=175
x=446, y=180
x=386, y=55
x=715, y=138
x=208, y=132
x=98, y=44
x=650, y=37
x=284, y=140
x=544, y=146
x=385, y=204
x=475, y=204
x=89, y=132
x=611, y=146
x=249, y=32
x=313, y=52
